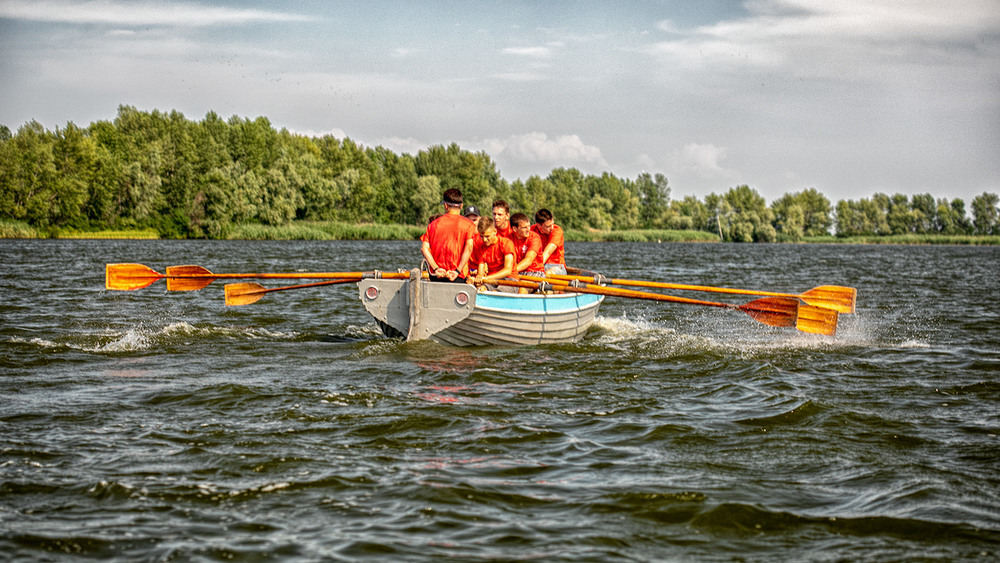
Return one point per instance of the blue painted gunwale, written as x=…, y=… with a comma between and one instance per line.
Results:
x=535, y=304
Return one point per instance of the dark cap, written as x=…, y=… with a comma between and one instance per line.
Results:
x=472, y=210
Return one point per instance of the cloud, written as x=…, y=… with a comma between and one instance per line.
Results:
x=835, y=38
x=702, y=160
x=138, y=13
x=403, y=52
x=538, y=148
x=335, y=133
x=525, y=76
x=535, y=52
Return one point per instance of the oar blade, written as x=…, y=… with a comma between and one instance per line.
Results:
x=773, y=311
x=245, y=293
x=817, y=320
x=127, y=277
x=839, y=298
x=186, y=283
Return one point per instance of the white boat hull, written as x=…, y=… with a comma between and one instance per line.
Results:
x=455, y=314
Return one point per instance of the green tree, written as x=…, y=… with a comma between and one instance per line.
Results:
x=654, y=200
x=749, y=219
x=985, y=214
x=426, y=199
x=28, y=175
x=475, y=174
x=923, y=211
x=565, y=197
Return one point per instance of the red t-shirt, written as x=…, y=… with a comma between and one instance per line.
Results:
x=447, y=236
x=506, y=233
x=556, y=238
x=494, y=255
x=523, y=246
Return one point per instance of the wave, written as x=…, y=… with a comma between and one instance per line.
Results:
x=140, y=338
x=744, y=337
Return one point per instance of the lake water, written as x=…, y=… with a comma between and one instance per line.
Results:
x=155, y=426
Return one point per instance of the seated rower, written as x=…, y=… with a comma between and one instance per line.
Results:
x=553, y=242
x=447, y=244
x=501, y=218
x=528, y=245
x=493, y=256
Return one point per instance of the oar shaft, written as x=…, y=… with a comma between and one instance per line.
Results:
x=680, y=286
x=559, y=285
x=835, y=297
x=246, y=293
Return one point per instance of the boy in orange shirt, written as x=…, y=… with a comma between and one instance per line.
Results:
x=553, y=242
x=529, y=247
x=492, y=254
x=501, y=218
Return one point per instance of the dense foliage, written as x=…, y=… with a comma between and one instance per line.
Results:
x=211, y=178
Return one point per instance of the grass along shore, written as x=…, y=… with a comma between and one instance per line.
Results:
x=332, y=230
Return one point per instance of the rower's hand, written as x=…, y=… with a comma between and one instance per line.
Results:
x=439, y=272
x=452, y=275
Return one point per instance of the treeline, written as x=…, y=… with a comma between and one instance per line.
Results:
x=187, y=179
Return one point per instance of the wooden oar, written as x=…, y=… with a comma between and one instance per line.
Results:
x=191, y=278
x=772, y=311
x=127, y=277
x=839, y=298
x=247, y=293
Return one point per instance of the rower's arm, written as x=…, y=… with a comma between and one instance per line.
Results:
x=549, y=249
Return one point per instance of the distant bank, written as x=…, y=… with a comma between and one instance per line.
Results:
x=330, y=230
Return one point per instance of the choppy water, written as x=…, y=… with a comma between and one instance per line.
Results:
x=155, y=426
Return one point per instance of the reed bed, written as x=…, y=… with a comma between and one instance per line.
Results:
x=17, y=229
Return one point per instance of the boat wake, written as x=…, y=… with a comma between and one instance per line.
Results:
x=743, y=337
x=140, y=338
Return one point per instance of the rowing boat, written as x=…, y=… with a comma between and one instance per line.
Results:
x=458, y=315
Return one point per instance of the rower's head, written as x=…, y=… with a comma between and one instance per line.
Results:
x=452, y=200
x=521, y=225
x=487, y=230
x=545, y=221
x=501, y=213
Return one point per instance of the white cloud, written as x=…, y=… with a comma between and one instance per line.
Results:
x=407, y=145
x=835, y=38
x=334, y=132
x=702, y=160
x=538, y=148
x=537, y=52
x=403, y=52
x=519, y=76
x=138, y=13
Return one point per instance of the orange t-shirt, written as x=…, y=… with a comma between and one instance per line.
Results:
x=447, y=236
x=556, y=238
x=523, y=246
x=506, y=233
x=494, y=255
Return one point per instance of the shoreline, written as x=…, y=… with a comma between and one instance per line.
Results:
x=342, y=231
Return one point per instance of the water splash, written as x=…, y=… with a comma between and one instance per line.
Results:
x=140, y=338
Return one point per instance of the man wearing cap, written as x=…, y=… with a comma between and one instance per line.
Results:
x=472, y=214
x=447, y=244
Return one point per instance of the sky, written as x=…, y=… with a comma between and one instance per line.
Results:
x=848, y=97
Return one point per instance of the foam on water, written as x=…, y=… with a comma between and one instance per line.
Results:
x=140, y=338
